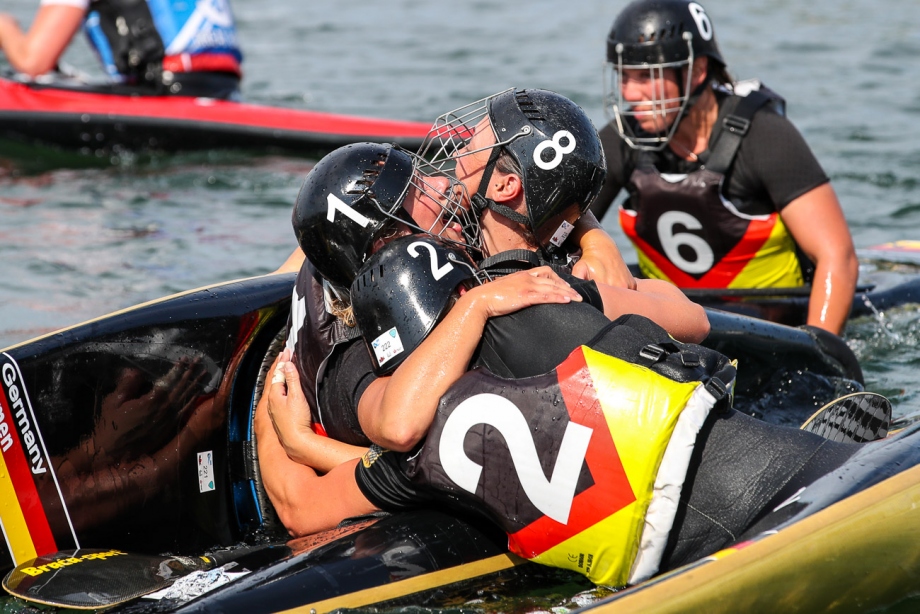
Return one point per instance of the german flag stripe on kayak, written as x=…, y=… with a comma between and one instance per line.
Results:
x=33, y=516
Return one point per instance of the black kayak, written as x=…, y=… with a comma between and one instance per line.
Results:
x=133, y=432
x=790, y=305
x=102, y=118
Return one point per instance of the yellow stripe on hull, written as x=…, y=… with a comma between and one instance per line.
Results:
x=409, y=586
x=13, y=522
x=858, y=555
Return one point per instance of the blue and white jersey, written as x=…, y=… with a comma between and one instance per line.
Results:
x=197, y=35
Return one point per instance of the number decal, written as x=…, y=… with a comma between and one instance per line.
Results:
x=671, y=242
x=702, y=20
x=553, y=497
x=298, y=317
x=436, y=272
x=336, y=204
x=558, y=150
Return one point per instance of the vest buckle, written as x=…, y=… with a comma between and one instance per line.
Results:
x=652, y=353
x=736, y=125
x=719, y=390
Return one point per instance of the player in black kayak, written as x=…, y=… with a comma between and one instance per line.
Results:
x=723, y=190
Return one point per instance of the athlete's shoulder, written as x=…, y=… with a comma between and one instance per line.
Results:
x=616, y=150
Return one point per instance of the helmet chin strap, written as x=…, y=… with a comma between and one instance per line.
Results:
x=479, y=201
x=694, y=95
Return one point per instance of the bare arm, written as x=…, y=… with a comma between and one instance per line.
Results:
x=293, y=424
x=304, y=501
x=663, y=303
x=396, y=411
x=818, y=226
x=293, y=262
x=37, y=51
x=601, y=259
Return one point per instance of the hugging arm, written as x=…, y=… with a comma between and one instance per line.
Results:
x=600, y=257
x=663, y=303
x=293, y=423
x=304, y=501
x=396, y=411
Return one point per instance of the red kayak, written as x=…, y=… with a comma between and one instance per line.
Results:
x=89, y=119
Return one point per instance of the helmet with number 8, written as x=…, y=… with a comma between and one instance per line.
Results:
x=403, y=291
x=549, y=138
x=653, y=36
x=354, y=196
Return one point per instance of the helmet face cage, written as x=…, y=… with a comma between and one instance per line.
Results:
x=452, y=132
x=546, y=135
x=452, y=202
x=623, y=113
x=390, y=199
x=355, y=196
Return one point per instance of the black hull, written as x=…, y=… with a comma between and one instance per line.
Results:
x=177, y=376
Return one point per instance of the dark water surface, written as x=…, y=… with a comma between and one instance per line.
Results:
x=80, y=238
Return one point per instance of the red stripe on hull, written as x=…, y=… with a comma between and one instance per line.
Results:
x=17, y=97
x=30, y=503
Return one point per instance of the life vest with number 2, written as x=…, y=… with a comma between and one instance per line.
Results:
x=582, y=467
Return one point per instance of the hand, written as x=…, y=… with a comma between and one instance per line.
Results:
x=601, y=261
x=522, y=289
x=287, y=405
x=131, y=424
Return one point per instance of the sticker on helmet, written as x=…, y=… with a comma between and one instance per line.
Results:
x=562, y=233
x=336, y=204
x=387, y=346
x=558, y=148
x=702, y=20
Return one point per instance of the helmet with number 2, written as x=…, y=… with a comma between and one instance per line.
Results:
x=551, y=140
x=403, y=291
x=653, y=36
x=354, y=196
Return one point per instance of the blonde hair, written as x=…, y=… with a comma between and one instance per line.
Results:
x=343, y=311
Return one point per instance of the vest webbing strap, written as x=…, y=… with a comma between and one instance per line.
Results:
x=732, y=130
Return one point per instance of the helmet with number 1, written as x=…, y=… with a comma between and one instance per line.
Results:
x=354, y=196
x=552, y=143
x=653, y=36
x=403, y=291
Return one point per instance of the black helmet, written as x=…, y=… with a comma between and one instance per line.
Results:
x=550, y=139
x=652, y=32
x=654, y=35
x=353, y=196
x=403, y=291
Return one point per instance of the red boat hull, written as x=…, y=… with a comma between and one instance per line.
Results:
x=92, y=120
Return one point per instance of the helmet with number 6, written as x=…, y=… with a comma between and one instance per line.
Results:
x=550, y=140
x=403, y=291
x=653, y=36
x=354, y=196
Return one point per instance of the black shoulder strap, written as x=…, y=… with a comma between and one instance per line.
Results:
x=514, y=260
x=731, y=130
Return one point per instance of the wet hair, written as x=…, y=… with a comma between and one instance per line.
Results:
x=718, y=73
x=508, y=165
